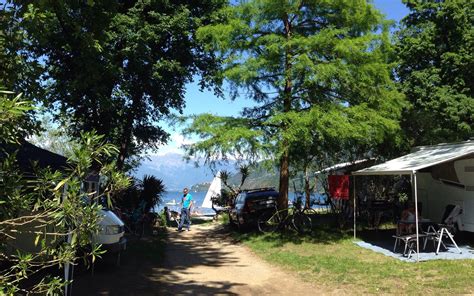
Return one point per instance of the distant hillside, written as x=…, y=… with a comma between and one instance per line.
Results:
x=259, y=177
x=175, y=172
x=201, y=187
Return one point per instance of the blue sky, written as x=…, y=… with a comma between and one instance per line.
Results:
x=198, y=102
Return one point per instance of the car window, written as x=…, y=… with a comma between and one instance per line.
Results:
x=240, y=199
x=263, y=194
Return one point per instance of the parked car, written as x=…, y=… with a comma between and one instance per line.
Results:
x=250, y=204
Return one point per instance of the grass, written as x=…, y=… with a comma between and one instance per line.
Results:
x=330, y=258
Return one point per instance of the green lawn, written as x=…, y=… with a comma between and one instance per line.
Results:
x=330, y=258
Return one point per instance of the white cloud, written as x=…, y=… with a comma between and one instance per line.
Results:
x=180, y=140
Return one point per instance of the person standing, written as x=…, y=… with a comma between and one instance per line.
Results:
x=186, y=204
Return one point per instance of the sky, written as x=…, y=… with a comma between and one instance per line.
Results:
x=198, y=102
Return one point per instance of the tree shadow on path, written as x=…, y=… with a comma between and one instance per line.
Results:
x=144, y=270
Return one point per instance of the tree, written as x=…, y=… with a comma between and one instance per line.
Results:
x=17, y=72
x=436, y=54
x=318, y=71
x=117, y=67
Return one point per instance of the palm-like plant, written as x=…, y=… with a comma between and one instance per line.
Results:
x=152, y=190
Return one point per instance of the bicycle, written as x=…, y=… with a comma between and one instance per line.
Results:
x=294, y=218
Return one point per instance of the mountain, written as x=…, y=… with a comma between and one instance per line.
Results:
x=176, y=172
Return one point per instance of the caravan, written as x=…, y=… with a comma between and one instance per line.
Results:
x=112, y=229
x=449, y=183
x=442, y=175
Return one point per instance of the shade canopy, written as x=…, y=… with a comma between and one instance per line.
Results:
x=420, y=158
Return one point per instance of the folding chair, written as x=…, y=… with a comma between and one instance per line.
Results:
x=451, y=218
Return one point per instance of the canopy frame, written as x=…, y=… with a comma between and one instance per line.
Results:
x=412, y=163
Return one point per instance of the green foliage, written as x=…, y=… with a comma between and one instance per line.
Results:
x=53, y=138
x=13, y=118
x=136, y=203
x=436, y=55
x=115, y=67
x=320, y=73
x=17, y=71
x=152, y=192
x=46, y=210
x=224, y=137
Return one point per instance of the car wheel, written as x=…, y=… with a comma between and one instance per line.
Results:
x=240, y=226
x=232, y=222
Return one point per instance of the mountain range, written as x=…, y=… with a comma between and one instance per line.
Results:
x=176, y=172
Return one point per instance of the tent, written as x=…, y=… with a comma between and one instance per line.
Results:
x=421, y=158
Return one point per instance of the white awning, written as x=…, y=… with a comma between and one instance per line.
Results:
x=343, y=165
x=421, y=157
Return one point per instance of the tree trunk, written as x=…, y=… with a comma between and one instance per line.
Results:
x=126, y=137
x=307, y=189
x=124, y=144
x=284, y=181
x=285, y=157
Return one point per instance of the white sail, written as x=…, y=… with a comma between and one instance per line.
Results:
x=214, y=190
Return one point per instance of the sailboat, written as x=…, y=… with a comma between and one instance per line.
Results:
x=213, y=191
x=172, y=203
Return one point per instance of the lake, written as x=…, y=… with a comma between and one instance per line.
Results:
x=174, y=197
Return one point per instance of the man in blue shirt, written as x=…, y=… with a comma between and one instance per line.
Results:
x=186, y=204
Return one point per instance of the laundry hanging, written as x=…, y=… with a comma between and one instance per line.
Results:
x=339, y=186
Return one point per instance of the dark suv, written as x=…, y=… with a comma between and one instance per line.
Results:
x=250, y=204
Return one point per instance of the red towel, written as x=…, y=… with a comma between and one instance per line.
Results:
x=339, y=186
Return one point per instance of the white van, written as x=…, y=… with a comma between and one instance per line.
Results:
x=112, y=229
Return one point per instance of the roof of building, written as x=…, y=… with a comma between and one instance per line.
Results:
x=29, y=154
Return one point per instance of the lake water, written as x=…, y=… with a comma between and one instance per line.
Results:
x=173, y=198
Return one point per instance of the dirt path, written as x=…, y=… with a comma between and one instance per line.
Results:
x=205, y=261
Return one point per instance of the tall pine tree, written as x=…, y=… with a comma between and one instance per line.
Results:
x=318, y=72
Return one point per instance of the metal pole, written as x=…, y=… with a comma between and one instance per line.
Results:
x=416, y=218
x=355, y=205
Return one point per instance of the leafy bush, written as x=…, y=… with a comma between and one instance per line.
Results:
x=46, y=208
x=136, y=203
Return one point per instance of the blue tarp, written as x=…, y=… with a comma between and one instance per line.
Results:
x=450, y=254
